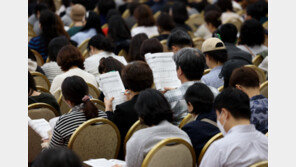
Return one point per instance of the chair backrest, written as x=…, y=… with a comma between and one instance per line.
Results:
x=194, y=21
x=265, y=25
x=41, y=80
x=104, y=26
x=264, y=89
x=64, y=108
x=83, y=46
x=136, y=126
x=85, y=54
x=38, y=57
x=57, y=94
x=260, y=73
x=235, y=21
x=44, y=107
x=41, y=113
x=164, y=45
x=31, y=33
x=171, y=152
x=99, y=104
x=156, y=15
x=71, y=25
x=198, y=42
x=220, y=89
x=34, y=144
x=125, y=14
x=207, y=145
x=186, y=120
x=122, y=53
x=93, y=91
x=96, y=138
x=206, y=71
x=257, y=60
x=260, y=164
x=42, y=90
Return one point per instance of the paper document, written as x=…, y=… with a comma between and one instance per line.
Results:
x=40, y=126
x=164, y=70
x=112, y=86
x=102, y=162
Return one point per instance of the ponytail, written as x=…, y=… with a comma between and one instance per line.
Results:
x=89, y=109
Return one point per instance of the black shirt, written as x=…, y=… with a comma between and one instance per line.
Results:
x=45, y=98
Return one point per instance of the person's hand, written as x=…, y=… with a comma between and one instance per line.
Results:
x=166, y=89
x=117, y=165
x=108, y=104
x=45, y=143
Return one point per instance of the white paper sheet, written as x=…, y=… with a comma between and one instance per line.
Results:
x=53, y=122
x=102, y=162
x=40, y=126
x=164, y=70
x=112, y=86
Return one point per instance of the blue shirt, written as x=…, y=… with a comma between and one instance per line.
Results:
x=38, y=44
x=212, y=78
x=259, y=113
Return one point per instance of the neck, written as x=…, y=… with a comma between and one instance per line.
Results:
x=214, y=64
x=183, y=80
x=78, y=24
x=35, y=93
x=236, y=122
x=251, y=92
x=96, y=52
x=165, y=32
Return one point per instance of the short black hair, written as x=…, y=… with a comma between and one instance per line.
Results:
x=244, y=76
x=228, y=33
x=40, y=7
x=235, y=101
x=165, y=22
x=118, y=30
x=180, y=14
x=225, y=5
x=179, y=38
x=104, y=6
x=191, y=61
x=151, y=45
x=252, y=33
x=101, y=43
x=213, y=17
x=31, y=55
x=212, y=7
x=55, y=45
x=132, y=6
x=110, y=64
x=257, y=10
x=153, y=107
x=218, y=55
x=135, y=46
x=31, y=84
x=201, y=98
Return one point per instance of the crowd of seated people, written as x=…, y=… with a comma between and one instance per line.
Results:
x=82, y=40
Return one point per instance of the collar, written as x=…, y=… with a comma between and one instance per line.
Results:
x=217, y=68
x=78, y=107
x=189, y=83
x=241, y=129
x=257, y=97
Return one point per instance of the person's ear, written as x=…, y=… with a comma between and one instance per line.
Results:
x=175, y=49
x=179, y=71
x=237, y=86
x=190, y=107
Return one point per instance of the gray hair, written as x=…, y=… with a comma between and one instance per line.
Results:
x=187, y=51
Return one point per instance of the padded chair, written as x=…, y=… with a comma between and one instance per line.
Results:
x=264, y=89
x=235, y=21
x=85, y=54
x=104, y=26
x=96, y=138
x=45, y=108
x=220, y=89
x=171, y=152
x=31, y=33
x=93, y=91
x=38, y=57
x=136, y=126
x=134, y=26
x=260, y=164
x=186, y=120
x=265, y=25
x=195, y=20
x=198, y=42
x=57, y=94
x=39, y=113
x=257, y=60
x=164, y=45
x=156, y=15
x=64, y=108
x=260, y=73
x=99, y=104
x=34, y=144
x=42, y=90
x=206, y=71
x=41, y=80
x=122, y=53
x=126, y=14
x=83, y=46
x=207, y=145
x=71, y=25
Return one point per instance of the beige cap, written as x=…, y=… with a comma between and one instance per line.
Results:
x=77, y=12
x=212, y=44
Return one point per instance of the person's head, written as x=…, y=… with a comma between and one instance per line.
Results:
x=190, y=64
x=153, y=108
x=117, y=29
x=257, y=10
x=165, y=23
x=178, y=40
x=134, y=49
x=199, y=99
x=137, y=76
x=31, y=84
x=227, y=69
x=68, y=57
x=111, y=13
x=144, y=16
x=215, y=52
x=55, y=45
x=104, y=6
x=49, y=3
x=132, y=6
x=93, y=21
x=150, y=46
x=245, y=79
x=75, y=91
x=38, y=8
x=99, y=43
x=225, y=5
x=252, y=33
x=212, y=7
x=179, y=13
x=31, y=55
x=227, y=33
x=78, y=13
x=110, y=64
x=213, y=20
x=58, y=157
x=232, y=108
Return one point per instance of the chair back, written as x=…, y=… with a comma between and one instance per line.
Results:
x=194, y=21
x=38, y=57
x=260, y=164
x=71, y=25
x=31, y=33
x=99, y=104
x=34, y=144
x=207, y=145
x=198, y=42
x=41, y=80
x=156, y=15
x=57, y=94
x=122, y=53
x=42, y=110
x=235, y=21
x=83, y=46
x=64, y=108
x=96, y=138
x=164, y=45
x=257, y=60
x=42, y=90
x=186, y=120
x=260, y=73
x=104, y=26
x=93, y=91
x=136, y=126
x=265, y=25
x=206, y=71
x=220, y=89
x=125, y=14
x=264, y=89
x=85, y=54
x=171, y=152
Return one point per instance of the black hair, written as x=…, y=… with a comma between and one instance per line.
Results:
x=213, y=17
x=252, y=33
x=132, y=6
x=55, y=45
x=31, y=84
x=93, y=21
x=66, y=3
x=201, y=98
x=191, y=61
x=180, y=14
x=105, y=5
x=179, y=38
x=118, y=30
x=135, y=46
x=39, y=7
x=211, y=7
x=110, y=64
x=58, y=157
x=150, y=46
x=101, y=43
x=165, y=22
x=111, y=13
x=74, y=88
x=31, y=55
x=50, y=4
x=227, y=32
x=225, y=5
x=227, y=69
x=218, y=55
x=235, y=101
x=258, y=9
x=244, y=76
x=153, y=107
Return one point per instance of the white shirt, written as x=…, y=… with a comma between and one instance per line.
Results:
x=227, y=15
x=243, y=145
x=203, y=32
x=58, y=80
x=92, y=63
x=254, y=49
x=51, y=70
x=149, y=31
x=82, y=36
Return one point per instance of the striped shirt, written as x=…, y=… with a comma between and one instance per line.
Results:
x=38, y=44
x=51, y=70
x=67, y=124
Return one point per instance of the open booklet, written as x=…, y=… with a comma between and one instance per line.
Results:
x=164, y=70
x=112, y=86
x=42, y=127
x=102, y=162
